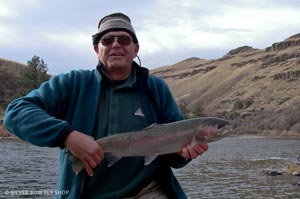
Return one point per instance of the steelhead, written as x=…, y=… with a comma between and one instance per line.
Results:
x=156, y=139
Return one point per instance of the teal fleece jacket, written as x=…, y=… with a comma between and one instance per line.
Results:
x=46, y=116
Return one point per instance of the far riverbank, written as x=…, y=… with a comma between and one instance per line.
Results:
x=261, y=134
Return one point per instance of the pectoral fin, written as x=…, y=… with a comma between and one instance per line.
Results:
x=149, y=159
x=111, y=159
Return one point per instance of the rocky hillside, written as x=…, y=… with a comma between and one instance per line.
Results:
x=11, y=66
x=9, y=74
x=258, y=89
x=17, y=80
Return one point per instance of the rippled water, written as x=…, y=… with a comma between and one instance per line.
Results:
x=231, y=168
x=27, y=171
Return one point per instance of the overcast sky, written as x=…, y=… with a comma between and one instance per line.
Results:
x=59, y=31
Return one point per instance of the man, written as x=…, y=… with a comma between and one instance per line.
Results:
x=71, y=110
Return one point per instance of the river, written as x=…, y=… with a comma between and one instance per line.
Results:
x=231, y=168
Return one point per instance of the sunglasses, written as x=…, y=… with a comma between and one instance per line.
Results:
x=123, y=40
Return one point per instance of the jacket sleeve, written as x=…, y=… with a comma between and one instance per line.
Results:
x=167, y=107
x=36, y=117
x=169, y=112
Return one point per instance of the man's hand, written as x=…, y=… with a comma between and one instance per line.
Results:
x=193, y=151
x=86, y=149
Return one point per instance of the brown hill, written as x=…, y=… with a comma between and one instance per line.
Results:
x=9, y=74
x=11, y=66
x=256, y=88
x=17, y=80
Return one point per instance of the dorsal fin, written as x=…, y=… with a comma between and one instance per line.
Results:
x=151, y=126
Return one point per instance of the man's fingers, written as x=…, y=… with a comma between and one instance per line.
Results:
x=92, y=160
x=93, y=163
x=97, y=160
x=88, y=169
x=97, y=157
x=199, y=149
x=100, y=153
x=192, y=152
x=204, y=146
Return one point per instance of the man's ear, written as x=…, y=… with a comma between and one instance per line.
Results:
x=137, y=47
x=96, y=48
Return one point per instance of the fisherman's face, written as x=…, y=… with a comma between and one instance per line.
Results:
x=116, y=51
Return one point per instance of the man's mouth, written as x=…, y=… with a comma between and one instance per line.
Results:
x=116, y=55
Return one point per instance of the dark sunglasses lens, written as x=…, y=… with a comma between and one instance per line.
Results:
x=122, y=40
x=106, y=41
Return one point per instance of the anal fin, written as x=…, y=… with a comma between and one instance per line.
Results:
x=111, y=159
x=149, y=159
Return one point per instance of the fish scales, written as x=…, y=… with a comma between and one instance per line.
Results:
x=147, y=143
x=156, y=140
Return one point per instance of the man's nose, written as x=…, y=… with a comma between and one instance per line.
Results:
x=116, y=42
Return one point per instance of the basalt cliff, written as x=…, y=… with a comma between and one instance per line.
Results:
x=257, y=89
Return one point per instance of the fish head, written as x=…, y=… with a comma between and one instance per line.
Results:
x=209, y=129
x=214, y=122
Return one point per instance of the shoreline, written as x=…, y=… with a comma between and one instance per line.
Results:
x=246, y=136
x=264, y=134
